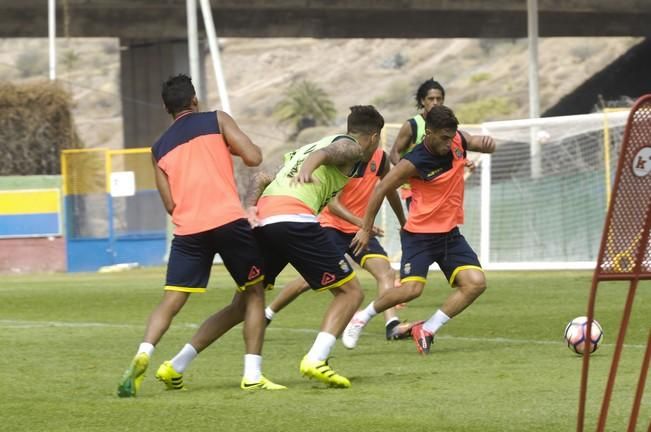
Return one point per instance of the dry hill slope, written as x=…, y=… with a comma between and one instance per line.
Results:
x=485, y=79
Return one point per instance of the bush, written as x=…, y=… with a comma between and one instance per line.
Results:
x=35, y=125
x=479, y=77
x=305, y=105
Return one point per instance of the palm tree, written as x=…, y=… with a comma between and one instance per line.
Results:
x=305, y=105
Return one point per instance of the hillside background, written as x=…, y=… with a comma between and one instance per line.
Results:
x=485, y=79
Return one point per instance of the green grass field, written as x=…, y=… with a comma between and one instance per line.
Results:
x=500, y=366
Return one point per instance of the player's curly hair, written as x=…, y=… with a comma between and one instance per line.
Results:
x=424, y=88
x=177, y=93
x=441, y=117
x=365, y=119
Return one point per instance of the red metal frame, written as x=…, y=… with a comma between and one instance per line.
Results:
x=634, y=275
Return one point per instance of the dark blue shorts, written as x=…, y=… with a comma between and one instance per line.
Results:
x=307, y=247
x=449, y=250
x=191, y=257
x=342, y=241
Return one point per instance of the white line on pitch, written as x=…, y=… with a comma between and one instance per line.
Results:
x=19, y=324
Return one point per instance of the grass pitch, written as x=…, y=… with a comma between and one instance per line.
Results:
x=499, y=366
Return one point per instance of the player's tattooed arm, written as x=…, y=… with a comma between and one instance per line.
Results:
x=479, y=143
x=343, y=153
x=259, y=181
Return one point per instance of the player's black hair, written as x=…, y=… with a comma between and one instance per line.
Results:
x=177, y=93
x=424, y=88
x=365, y=119
x=441, y=117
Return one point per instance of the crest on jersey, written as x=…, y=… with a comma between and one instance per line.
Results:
x=373, y=166
x=458, y=152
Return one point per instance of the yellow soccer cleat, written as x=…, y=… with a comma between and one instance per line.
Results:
x=168, y=376
x=132, y=378
x=263, y=384
x=321, y=370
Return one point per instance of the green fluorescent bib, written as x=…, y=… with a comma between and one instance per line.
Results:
x=315, y=195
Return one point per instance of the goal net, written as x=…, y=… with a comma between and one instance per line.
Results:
x=540, y=200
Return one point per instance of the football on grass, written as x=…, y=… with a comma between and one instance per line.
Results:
x=576, y=335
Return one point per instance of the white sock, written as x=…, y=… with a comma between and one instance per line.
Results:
x=182, y=360
x=436, y=321
x=252, y=368
x=268, y=313
x=367, y=313
x=322, y=346
x=147, y=348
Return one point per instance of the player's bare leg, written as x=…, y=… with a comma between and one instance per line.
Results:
x=288, y=294
x=381, y=270
x=347, y=299
x=247, y=306
x=470, y=284
x=219, y=323
x=161, y=318
x=158, y=323
x=254, y=324
x=408, y=291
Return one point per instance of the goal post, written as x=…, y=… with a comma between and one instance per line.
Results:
x=625, y=251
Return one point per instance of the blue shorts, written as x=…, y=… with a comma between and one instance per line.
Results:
x=191, y=257
x=342, y=242
x=449, y=250
x=307, y=247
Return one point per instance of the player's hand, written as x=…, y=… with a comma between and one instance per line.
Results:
x=303, y=177
x=470, y=165
x=377, y=231
x=360, y=241
x=252, y=216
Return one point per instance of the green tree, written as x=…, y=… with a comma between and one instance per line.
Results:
x=305, y=105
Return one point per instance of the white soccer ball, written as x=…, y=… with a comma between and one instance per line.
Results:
x=576, y=332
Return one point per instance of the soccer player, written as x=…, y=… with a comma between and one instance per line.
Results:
x=194, y=175
x=341, y=219
x=434, y=170
x=289, y=233
x=430, y=93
